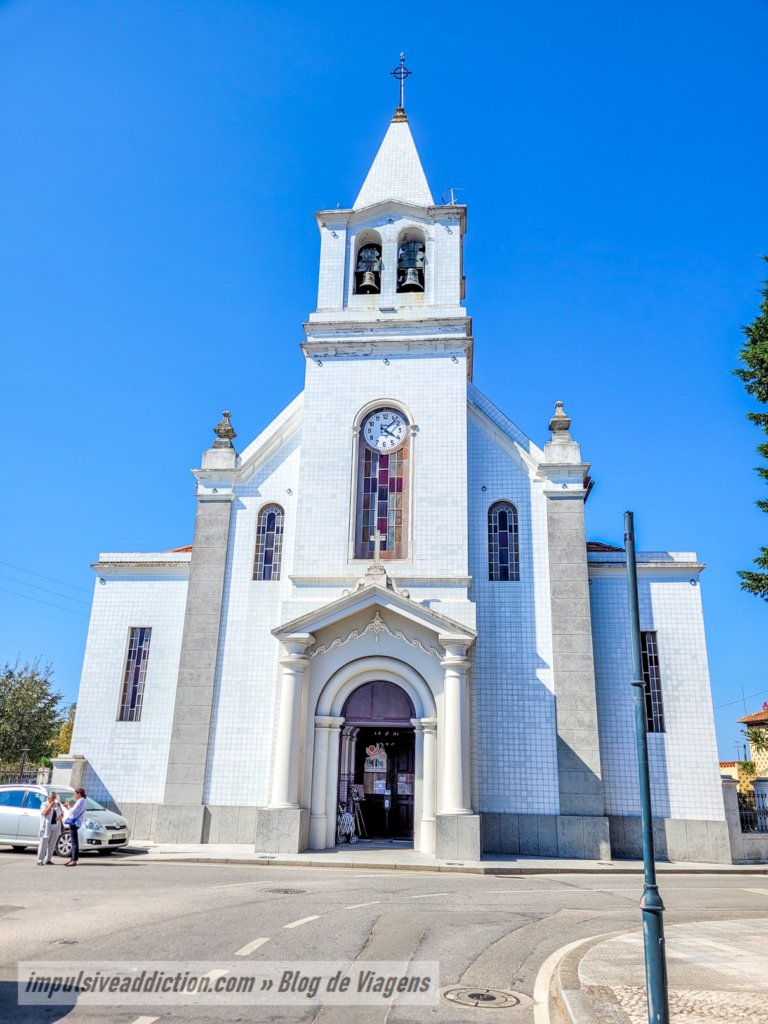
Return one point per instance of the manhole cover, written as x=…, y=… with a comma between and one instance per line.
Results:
x=286, y=892
x=482, y=998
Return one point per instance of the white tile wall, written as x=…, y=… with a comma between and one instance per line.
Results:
x=514, y=737
x=685, y=777
x=127, y=760
x=244, y=710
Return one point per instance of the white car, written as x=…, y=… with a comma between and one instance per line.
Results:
x=101, y=830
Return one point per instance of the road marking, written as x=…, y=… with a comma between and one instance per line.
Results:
x=295, y=924
x=426, y=894
x=356, y=905
x=146, y=1020
x=763, y=892
x=249, y=948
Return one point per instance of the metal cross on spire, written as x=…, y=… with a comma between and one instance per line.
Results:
x=401, y=72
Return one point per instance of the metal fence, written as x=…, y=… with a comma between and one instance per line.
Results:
x=753, y=811
x=37, y=776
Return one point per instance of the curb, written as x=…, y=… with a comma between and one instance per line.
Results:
x=458, y=868
x=568, y=993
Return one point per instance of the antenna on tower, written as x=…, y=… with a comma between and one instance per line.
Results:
x=447, y=197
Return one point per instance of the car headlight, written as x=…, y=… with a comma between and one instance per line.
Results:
x=94, y=826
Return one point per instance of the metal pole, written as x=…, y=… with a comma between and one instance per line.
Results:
x=24, y=752
x=651, y=904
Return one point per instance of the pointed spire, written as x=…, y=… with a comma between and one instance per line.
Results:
x=396, y=172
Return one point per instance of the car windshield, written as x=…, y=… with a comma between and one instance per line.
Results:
x=68, y=795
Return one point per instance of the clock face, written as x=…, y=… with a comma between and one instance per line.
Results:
x=384, y=429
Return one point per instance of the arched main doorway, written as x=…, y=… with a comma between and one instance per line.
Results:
x=377, y=761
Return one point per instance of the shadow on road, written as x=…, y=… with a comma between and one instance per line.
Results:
x=12, y=1013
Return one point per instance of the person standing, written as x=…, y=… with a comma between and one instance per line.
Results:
x=75, y=819
x=51, y=814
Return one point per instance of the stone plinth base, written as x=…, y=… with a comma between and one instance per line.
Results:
x=458, y=837
x=179, y=823
x=675, y=839
x=282, y=830
x=547, y=835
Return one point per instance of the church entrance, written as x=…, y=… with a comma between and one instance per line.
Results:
x=377, y=765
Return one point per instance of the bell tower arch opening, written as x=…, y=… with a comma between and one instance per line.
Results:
x=377, y=765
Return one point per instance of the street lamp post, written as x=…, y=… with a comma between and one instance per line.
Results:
x=651, y=904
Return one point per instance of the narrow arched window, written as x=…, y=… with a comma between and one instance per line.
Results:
x=269, y=543
x=382, y=486
x=503, y=549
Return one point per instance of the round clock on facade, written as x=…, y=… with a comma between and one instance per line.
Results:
x=384, y=429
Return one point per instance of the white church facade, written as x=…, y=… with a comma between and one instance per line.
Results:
x=390, y=622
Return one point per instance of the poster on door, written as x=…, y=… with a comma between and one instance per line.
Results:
x=375, y=758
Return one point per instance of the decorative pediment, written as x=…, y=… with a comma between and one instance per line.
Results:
x=376, y=591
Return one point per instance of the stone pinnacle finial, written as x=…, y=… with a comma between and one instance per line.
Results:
x=560, y=424
x=224, y=432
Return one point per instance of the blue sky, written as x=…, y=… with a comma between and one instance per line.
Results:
x=162, y=162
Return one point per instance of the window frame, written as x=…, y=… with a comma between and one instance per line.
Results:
x=652, y=683
x=264, y=510
x=514, y=577
x=357, y=425
x=138, y=706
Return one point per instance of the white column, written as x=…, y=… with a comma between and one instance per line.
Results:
x=429, y=806
x=418, y=785
x=455, y=726
x=317, y=818
x=294, y=662
x=332, y=781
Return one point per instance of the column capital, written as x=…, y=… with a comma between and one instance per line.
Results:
x=426, y=724
x=456, y=647
x=295, y=649
x=328, y=722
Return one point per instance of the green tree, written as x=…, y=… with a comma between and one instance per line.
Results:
x=754, y=376
x=63, y=741
x=29, y=711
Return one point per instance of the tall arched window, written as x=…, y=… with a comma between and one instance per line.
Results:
x=382, y=485
x=503, y=549
x=269, y=543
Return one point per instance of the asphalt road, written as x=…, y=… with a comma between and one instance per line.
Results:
x=487, y=932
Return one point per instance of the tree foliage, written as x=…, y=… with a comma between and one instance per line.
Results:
x=29, y=712
x=754, y=376
x=63, y=741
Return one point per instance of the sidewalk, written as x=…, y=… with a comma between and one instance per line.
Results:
x=389, y=858
x=718, y=974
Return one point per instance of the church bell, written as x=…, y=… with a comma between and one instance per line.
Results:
x=368, y=285
x=411, y=282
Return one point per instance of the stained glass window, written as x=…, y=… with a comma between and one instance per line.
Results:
x=503, y=548
x=382, y=501
x=135, y=674
x=269, y=543
x=654, y=708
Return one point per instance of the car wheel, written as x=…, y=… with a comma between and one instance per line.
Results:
x=105, y=853
x=64, y=845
